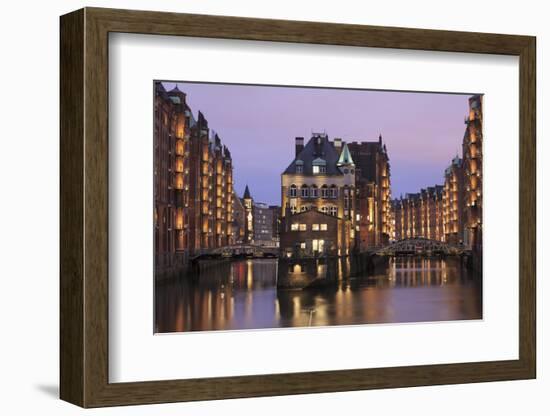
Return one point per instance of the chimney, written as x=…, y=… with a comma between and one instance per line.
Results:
x=299, y=145
x=337, y=144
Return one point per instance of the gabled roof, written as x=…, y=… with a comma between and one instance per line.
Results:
x=311, y=212
x=311, y=152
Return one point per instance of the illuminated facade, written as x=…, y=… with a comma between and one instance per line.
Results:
x=239, y=219
x=248, y=204
x=193, y=182
x=419, y=215
x=453, y=202
x=373, y=181
x=320, y=178
x=472, y=150
x=452, y=212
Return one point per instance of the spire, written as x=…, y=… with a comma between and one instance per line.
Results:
x=380, y=138
x=175, y=89
x=345, y=157
x=247, y=193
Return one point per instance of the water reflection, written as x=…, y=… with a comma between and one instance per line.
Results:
x=243, y=295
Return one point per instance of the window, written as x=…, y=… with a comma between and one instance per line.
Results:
x=315, y=227
x=324, y=210
x=299, y=169
x=322, y=169
x=313, y=192
x=333, y=211
x=318, y=245
x=293, y=191
x=333, y=192
x=324, y=227
x=304, y=208
x=324, y=192
x=305, y=191
x=303, y=227
x=294, y=227
x=315, y=170
x=303, y=245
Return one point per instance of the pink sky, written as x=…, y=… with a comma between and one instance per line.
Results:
x=422, y=131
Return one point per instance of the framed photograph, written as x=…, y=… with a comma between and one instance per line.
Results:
x=255, y=207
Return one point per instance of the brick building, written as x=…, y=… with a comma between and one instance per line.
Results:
x=472, y=150
x=453, y=202
x=452, y=212
x=312, y=233
x=193, y=183
x=321, y=178
x=419, y=215
x=373, y=192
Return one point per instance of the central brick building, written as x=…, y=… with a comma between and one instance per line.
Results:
x=318, y=192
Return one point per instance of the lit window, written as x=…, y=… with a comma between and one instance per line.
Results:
x=315, y=227
x=324, y=227
x=303, y=245
x=294, y=227
x=303, y=227
x=315, y=170
x=333, y=211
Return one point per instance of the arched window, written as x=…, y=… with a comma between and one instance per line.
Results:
x=324, y=191
x=333, y=191
x=313, y=191
x=305, y=191
x=293, y=191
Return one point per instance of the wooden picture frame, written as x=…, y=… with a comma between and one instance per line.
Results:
x=84, y=207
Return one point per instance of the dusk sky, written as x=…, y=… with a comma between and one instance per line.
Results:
x=422, y=131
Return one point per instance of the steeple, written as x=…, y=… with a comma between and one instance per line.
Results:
x=247, y=193
x=345, y=157
x=175, y=90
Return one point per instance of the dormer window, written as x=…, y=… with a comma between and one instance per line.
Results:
x=299, y=166
x=319, y=166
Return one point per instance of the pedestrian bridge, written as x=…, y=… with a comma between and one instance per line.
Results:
x=421, y=246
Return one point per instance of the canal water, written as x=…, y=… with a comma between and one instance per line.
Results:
x=243, y=295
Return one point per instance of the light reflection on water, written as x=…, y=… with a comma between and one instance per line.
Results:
x=243, y=295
